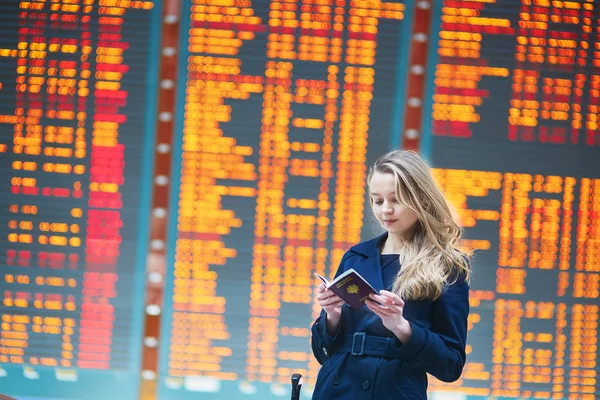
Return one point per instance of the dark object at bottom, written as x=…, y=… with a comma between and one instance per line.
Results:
x=296, y=386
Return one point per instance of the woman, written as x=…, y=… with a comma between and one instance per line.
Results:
x=418, y=322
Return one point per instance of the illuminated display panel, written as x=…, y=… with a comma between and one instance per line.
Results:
x=75, y=110
x=283, y=106
x=512, y=121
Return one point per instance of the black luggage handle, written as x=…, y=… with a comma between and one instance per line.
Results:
x=296, y=386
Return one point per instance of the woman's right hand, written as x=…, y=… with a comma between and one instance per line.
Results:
x=332, y=304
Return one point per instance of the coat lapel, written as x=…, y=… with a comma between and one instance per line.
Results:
x=370, y=266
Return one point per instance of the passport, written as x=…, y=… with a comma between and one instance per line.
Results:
x=350, y=287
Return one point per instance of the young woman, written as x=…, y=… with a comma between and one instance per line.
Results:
x=418, y=322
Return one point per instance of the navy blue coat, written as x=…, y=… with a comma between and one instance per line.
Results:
x=364, y=360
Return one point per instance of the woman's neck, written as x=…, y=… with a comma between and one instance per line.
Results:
x=394, y=244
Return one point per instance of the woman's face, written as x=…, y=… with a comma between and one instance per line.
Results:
x=395, y=218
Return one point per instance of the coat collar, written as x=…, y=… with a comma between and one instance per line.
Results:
x=370, y=267
x=370, y=247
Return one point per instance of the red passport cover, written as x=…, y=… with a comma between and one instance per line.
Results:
x=351, y=287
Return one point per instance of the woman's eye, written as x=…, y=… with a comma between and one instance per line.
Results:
x=379, y=202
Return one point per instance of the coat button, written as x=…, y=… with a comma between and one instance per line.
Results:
x=366, y=385
x=336, y=380
x=416, y=366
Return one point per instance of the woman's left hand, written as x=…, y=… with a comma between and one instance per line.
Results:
x=391, y=311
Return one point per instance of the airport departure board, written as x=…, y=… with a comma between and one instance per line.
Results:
x=77, y=89
x=511, y=126
x=282, y=105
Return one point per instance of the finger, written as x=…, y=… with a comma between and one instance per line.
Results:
x=384, y=309
x=329, y=302
x=387, y=304
x=331, y=299
x=394, y=303
x=332, y=294
x=336, y=304
x=392, y=296
x=378, y=310
x=321, y=288
x=322, y=296
x=370, y=306
x=326, y=295
x=388, y=297
x=382, y=299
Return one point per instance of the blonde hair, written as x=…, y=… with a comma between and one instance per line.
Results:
x=430, y=260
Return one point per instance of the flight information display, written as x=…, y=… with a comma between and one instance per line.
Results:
x=511, y=126
x=282, y=105
x=76, y=130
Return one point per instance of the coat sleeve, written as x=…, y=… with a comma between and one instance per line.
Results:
x=321, y=342
x=440, y=351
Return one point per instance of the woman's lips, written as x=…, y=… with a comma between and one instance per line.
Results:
x=389, y=221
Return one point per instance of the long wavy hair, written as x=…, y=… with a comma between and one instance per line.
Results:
x=430, y=259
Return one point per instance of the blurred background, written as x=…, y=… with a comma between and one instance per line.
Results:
x=173, y=173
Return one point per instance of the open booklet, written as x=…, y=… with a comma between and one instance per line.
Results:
x=350, y=287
